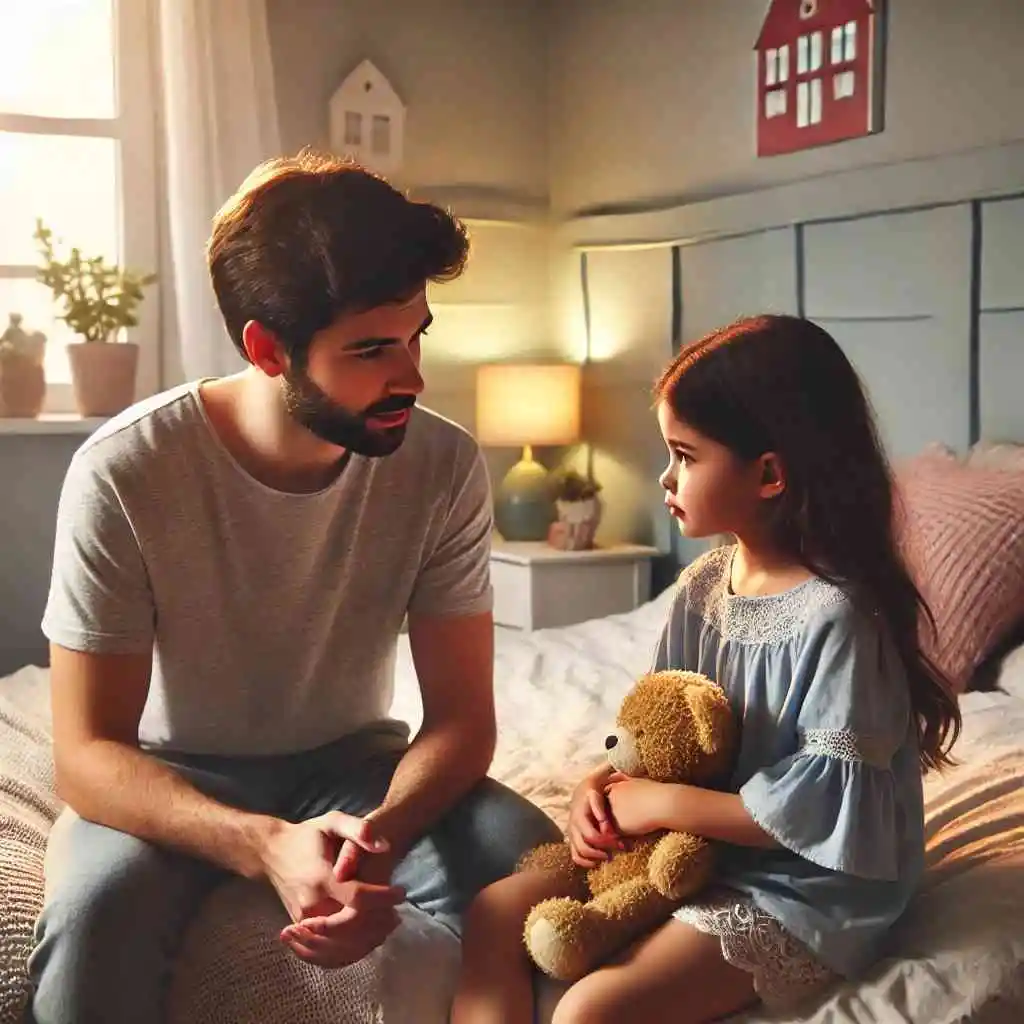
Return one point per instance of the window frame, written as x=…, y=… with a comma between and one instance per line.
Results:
x=134, y=129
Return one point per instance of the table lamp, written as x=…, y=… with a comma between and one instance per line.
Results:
x=523, y=405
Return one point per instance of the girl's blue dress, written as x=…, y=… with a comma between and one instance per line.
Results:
x=828, y=764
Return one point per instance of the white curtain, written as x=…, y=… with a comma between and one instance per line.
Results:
x=219, y=120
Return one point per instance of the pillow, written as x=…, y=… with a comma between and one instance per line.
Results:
x=998, y=455
x=961, y=529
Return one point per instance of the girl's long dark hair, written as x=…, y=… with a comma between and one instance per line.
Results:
x=782, y=384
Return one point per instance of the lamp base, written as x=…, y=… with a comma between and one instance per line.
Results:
x=523, y=505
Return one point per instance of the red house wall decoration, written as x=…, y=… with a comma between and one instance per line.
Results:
x=819, y=73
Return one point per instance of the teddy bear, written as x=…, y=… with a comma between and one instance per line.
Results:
x=671, y=727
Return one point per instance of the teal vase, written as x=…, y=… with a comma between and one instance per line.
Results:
x=523, y=506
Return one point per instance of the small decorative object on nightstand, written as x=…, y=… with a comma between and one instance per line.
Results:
x=537, y=586
x=579, y=511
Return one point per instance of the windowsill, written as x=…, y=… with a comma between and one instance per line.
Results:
x=50, y=423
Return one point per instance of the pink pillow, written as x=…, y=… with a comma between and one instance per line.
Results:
x=961, y=530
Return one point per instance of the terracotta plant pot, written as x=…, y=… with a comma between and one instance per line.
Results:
x=103, y=376
x=22, y=386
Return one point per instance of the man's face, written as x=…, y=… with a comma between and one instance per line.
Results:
x=361, y=378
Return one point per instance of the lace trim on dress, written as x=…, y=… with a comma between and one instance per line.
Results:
x=785, y=972
x=846, y=745
x=771, y=619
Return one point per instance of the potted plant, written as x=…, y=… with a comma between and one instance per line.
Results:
x=22, y=376
x=99, y=300
x=579, y=511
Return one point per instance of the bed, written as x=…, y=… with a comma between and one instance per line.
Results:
x=958, y=957
x=943, y=284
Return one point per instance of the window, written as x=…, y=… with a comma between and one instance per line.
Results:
x=837, y=45
x=380, y=138
x=851, y=40
x=802, y=55
x=784, y=63
x=816, y=51
x=73, y=100
x=771, y=67
x=844, y=85
x=815, y=113
x=803, y=104
x=775, y=103
x=353, y=128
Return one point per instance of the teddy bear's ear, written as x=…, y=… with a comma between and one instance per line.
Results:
x=713, y=720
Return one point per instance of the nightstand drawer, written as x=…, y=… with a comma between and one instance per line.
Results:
x=511, y=594
x=538, y=587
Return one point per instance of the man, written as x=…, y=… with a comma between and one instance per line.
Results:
x=233, y=563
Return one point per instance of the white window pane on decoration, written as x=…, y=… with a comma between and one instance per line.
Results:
x=816, y=57
x=353, y=128
x=57, y=58
x=802, y=55
x=815, y=101
x=803, y=104
x=851, y=40
x=843, y=85
x=837, y=45
x=380, y=134
x=784, y=63
x=36, y=304
x=771, y=67
x=68, y=180
x=775, y=103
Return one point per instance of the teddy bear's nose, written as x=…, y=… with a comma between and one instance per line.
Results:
x=610, y=742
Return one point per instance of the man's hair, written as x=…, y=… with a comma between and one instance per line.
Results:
x=308, y=238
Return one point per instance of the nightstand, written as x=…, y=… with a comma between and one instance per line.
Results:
x=537, y=586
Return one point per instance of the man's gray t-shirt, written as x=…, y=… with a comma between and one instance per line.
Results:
x=272, y=617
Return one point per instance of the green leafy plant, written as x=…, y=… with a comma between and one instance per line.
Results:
x=568, y=485
x=98, y=298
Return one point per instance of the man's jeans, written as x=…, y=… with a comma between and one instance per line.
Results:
x=117, y=914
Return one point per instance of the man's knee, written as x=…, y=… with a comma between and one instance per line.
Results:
x=499, y=826
x=110, y=920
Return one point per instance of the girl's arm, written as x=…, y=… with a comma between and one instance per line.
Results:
x=641, y=806
x=713, y=815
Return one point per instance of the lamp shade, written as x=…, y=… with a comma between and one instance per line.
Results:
x=527, y=404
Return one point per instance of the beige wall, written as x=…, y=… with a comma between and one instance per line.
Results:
x=652, y=100
x=473, y=76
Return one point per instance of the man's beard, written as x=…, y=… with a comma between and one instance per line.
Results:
x=308, y=405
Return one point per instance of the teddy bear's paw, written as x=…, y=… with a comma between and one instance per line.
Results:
x=554, y=936
x=680, y=865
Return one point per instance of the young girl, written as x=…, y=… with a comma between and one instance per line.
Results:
x=810, y=624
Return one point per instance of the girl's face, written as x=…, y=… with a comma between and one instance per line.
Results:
x=708, y=489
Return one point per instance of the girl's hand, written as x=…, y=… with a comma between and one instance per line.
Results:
x=591, y=832
x=638, y=806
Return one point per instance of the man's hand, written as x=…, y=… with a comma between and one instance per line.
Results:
x=591, y=832
x=336, y=922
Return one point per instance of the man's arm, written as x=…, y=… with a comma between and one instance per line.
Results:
x=103, y=775
x=454, y=660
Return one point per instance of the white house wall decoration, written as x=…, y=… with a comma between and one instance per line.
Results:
x=367, y=120
x=820, y=73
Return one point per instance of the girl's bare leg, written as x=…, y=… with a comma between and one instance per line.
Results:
x=496, y=981
x=675, y=974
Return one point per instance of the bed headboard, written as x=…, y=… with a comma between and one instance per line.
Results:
x=928, y=302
